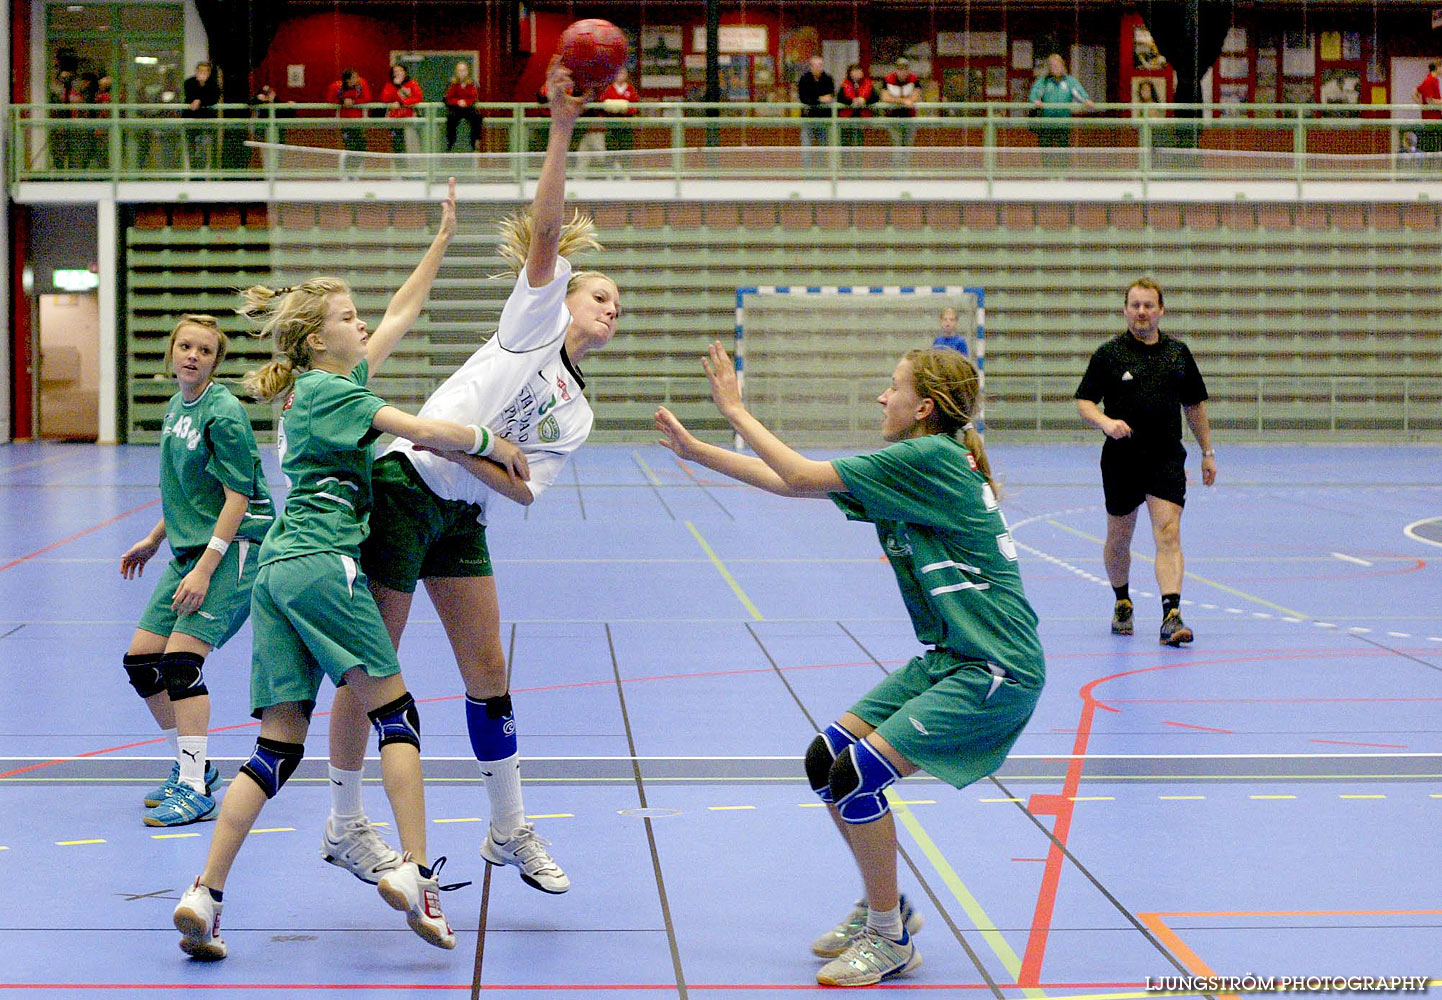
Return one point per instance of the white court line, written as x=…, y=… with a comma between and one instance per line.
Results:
x=1351, y=559
x=792, y=757
x=1418, y=538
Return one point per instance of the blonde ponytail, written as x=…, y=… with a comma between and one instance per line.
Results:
x=290, y=316
x=952, y=383
x=578, y=236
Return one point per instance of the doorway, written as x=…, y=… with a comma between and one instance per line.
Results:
x=67, y=371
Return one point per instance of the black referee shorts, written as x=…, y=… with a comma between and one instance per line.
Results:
x=1127, y=483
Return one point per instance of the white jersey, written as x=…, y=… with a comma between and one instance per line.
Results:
x=521, y=385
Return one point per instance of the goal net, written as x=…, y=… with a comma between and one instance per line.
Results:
x=814, y=359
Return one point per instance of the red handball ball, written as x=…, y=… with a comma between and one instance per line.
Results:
x=593, y=50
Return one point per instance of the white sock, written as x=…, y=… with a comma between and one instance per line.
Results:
x=171, y=735
x=886, y=922
x=190, y=751
x=503, y=786
x=345, y=793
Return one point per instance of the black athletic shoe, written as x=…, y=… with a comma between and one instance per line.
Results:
x=1174, y=630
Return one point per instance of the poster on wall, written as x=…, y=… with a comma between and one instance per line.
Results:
x=1341, y=86
x=1145, y=54
x=1234, y=67
x=660, y=53
x=1299, y=58
x=1149, y=90
x=886, y=49
x=1021, y=54
x=971, y=43
x=1229, y=95
x=1236, y=42
x=735, y=73
x=798, y=45
x=1331, y=45
x=1297, y=92
x=733, y=38
x=1352, y=46
x=996, y=82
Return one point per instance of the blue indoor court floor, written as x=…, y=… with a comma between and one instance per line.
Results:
x=1265, y=801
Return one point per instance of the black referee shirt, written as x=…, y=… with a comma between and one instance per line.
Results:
x=1146, y=385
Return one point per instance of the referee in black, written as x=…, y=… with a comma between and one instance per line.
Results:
x=1146, y=380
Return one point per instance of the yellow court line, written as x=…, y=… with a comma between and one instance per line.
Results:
x=1361, y=796
x=725, y=573
x=1003, y=799
x=1092, y=798
x=822, y=805
x=1192, y=576
x=276, y=829
x=74, y=843
x=914, y=802
x=172, y=836
x=655, y=479
x=552, y=816
x=459, y=819
x=728, y=808
x=978, y=916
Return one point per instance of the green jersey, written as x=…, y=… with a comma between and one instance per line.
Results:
x=955, y=561
x=324, y=438
x=206, y=446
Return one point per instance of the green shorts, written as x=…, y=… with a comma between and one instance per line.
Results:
x=313, y=615
x=952, y=718
x=414, y=534
x=227, y=600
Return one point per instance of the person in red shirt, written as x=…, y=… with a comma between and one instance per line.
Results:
x=619, y=101
x=854, y=100
x=1429, y=95
x=351, y=93
x=900, y=91
x=401, y=94
x=461, y=99
x=104, y=98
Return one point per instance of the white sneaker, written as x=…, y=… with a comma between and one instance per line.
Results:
x=527, y=851
x=418, y=893
x=835, y=941
x=868, y=959
x=358, y=849
x=197, y=917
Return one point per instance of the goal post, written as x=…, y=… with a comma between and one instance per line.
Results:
x=811, y=360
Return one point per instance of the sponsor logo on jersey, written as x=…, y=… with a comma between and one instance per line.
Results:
x=1126, y=376
x=897, y=546
x=547, y=405
x=971, y=461
x=549, y=429
x=289, y=401
x=561, y=385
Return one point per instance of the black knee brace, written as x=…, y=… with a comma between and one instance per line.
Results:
x=144, y=672
x=398, y=722
x=272, y=763
x=183, y=675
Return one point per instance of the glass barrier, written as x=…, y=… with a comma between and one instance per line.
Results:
x=739, y=142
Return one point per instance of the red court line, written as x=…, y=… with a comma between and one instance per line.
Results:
x=558, y=987
x=1062, y=807
x=1188, y=725
x=1259, y=701
x=1349, y=743
x=79, y=534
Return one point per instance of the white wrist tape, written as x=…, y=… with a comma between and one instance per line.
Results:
x=217, y=544
x=485, y=442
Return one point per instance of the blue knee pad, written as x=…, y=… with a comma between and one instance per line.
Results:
x=858, y=783
x=821, y=754
x=272, y=763
x=144, y=672
x=184, y=676
x=492, y=726
x=398, y=722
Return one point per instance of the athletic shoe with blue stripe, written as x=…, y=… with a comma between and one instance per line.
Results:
x=868, y=959
x=158, y=794
x=183, y=805
x=834, y=941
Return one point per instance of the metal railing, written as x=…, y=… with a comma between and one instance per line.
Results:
x=990, y=142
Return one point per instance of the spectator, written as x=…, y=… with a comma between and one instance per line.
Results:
x=64, y=93
x=948, y=337
x=1409, y=154
x=103, y=100
x=401, y=94
x=351, y=93
x=461, y=99
x=1429, y=95
x=201, y=94
x=619, y=101
x=855, y=98
x=817, y=93
x=158, y=146
x=82, y=139
x=900, y=91
x=1053, y=96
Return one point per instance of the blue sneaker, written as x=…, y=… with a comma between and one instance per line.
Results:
x=183, y=805
x=160, y=792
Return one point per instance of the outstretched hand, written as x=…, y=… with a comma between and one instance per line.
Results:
x=565, y=105
x=447, y=227
x=675, y=436
x=725, y=388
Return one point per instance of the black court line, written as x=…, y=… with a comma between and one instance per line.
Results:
x=900, y=850
x=650, y=830
x=706, y=490
x=511, y=656
x=481, y=932
x=7, y=635
x=650, y=481
x=1096, y=882
x=1369, y=641
x=580, y=495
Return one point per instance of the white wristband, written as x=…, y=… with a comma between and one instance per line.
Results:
x=217, y=544
x=484, y=443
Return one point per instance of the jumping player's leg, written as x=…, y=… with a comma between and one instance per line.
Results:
x=400, y=757
x=469, y=610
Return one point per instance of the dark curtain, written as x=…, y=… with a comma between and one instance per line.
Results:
x=240, y=33
x=1189, y=33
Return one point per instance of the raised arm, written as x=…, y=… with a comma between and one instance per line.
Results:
x=406, y=303
x=549, y=206
x=801, y=475
x=743, y=468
